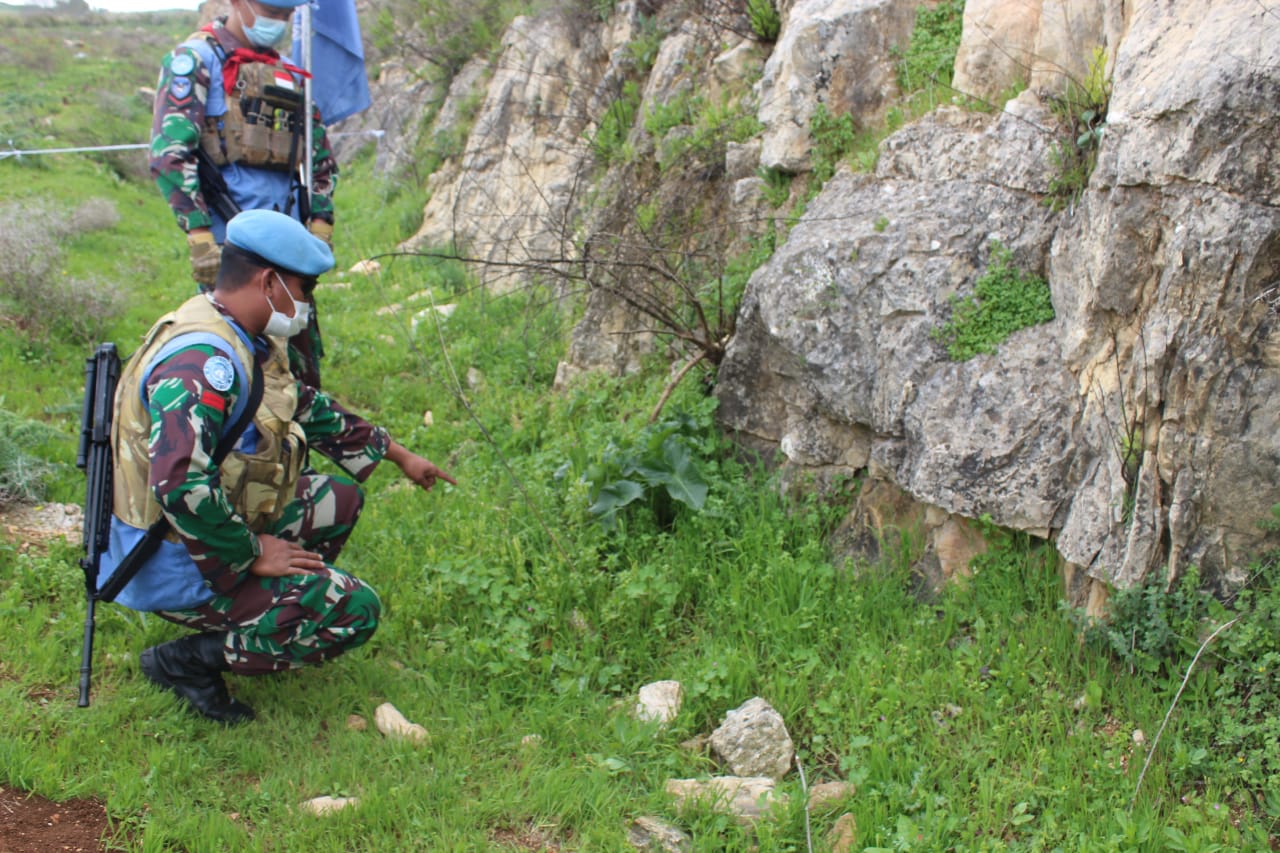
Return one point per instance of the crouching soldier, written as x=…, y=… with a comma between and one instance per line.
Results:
x=209, y=440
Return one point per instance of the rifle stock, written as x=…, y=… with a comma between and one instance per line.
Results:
x=101, y=373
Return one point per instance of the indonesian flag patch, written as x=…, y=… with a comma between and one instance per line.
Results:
x=213, y=400
x=284, y=79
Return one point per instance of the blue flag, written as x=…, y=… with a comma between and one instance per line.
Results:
x=339, y=85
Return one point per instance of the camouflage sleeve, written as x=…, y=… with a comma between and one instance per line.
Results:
x=356, y=445
x=187, y=416
x=181, y=94
x=324, y=171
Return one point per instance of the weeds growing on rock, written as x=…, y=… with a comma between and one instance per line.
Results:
x=1005, y=299
x=925, y=65
x=1082, y=112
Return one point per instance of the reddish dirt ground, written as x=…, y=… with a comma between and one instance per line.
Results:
x=30, y=824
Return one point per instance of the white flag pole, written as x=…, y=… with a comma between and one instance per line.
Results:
x=309, y=165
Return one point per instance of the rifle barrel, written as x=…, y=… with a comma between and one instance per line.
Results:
x=86, y=410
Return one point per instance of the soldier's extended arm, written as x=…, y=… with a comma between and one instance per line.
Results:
x=346, y=438
x=181, y=95
x=187, y=415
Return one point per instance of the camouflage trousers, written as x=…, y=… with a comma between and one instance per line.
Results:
x=274, y=624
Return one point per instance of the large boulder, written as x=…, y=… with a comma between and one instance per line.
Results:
x=834, y=361
x=1138, y=428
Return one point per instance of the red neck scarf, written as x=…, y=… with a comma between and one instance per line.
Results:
x=232, y=61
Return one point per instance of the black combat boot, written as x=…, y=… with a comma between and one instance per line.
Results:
x=192, y=667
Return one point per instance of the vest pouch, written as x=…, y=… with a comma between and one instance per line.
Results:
x=213, y=140
x=261, y=484
x=264, y=145
x=258, y=127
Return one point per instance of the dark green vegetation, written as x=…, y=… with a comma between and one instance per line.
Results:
x=976, y=721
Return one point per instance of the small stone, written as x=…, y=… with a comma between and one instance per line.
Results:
x=753, y=741
x=825, y=794
x=357, y=723
x=746, y=798
x=321, y=806
x=366, y=267
x=843, y=837
x=427, y=418
x=392, y=723
x=651, y=833
x=531, y=741
x=1139, y=737
x=659, y=702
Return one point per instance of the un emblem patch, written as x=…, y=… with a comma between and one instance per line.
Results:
x=219, y=372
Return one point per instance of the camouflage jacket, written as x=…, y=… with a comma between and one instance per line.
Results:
x=187, y=417
x=183, y=98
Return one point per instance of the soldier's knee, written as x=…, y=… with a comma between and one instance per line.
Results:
x=366, y=609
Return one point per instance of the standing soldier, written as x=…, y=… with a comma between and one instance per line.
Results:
x=227, y=135
x=247, y=561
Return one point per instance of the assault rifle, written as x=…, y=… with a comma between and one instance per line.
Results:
x=101, y=372
x=214, y=186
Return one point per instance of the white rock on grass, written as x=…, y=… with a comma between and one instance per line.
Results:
x=445, y=310
x=366, y=268
x=659, y=702
x=748, y=799
x=321, y=806
x=753, y=741
x=392, y=723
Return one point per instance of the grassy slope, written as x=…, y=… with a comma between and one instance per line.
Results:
x=509, y=613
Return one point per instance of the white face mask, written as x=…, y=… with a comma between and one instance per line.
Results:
x=282, y=325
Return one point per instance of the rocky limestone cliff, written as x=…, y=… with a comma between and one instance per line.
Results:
x=1162, y=344
x=1136, y=430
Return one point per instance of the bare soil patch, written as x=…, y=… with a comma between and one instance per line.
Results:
x=28, y=525
x=31, y=824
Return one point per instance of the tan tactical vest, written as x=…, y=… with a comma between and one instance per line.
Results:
x=258, y=485
x=261, y=123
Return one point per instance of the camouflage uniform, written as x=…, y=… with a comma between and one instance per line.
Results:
x=190, y=100
x=271, y=623
x=180, y=117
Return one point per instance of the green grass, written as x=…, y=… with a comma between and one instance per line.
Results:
x=974, y=721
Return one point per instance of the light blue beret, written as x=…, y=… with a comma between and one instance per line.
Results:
x=282, y=4
x=281, y=241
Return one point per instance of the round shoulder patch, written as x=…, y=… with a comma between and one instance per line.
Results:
x=219, y=372
x=182, y=64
